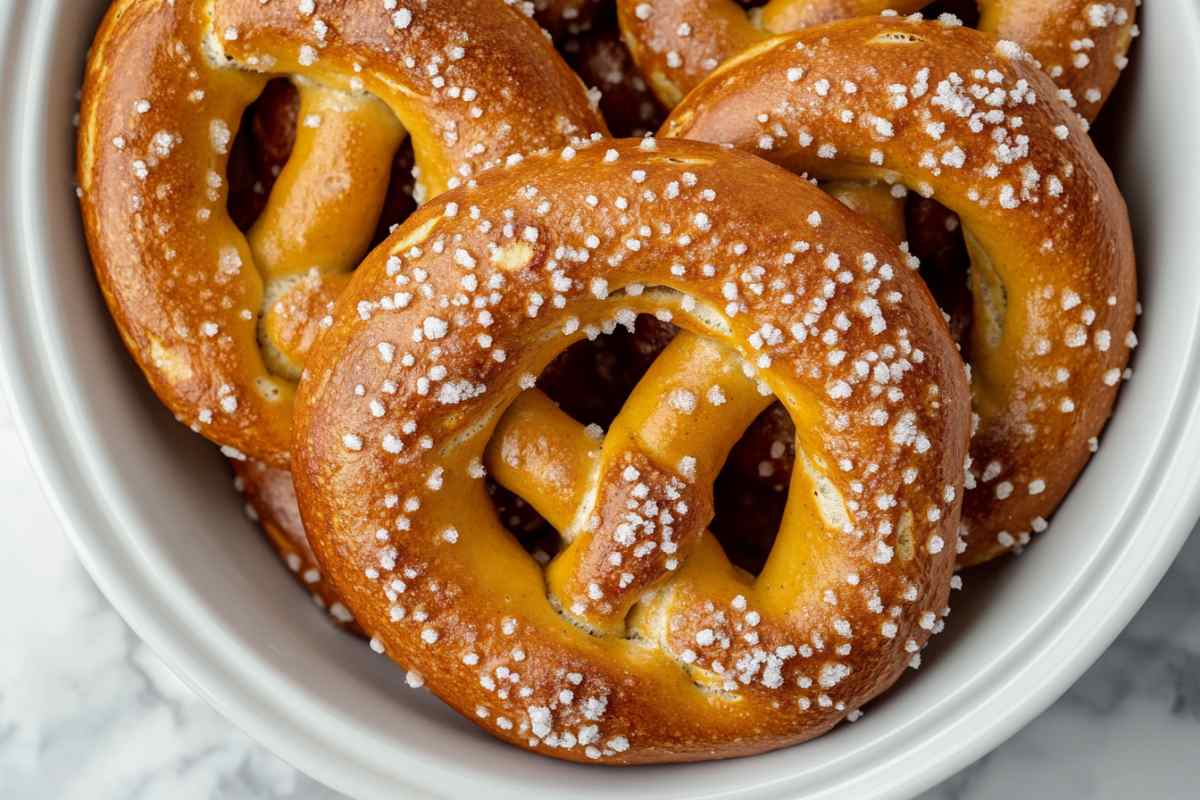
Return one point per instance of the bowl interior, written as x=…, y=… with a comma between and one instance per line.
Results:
x=152, y=509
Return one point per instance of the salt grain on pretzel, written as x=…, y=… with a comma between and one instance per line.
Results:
x=473, y=82
x=1081, y=44
x=639, y=642
x=954, y=115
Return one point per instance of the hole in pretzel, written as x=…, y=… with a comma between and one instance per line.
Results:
x=936, y=238
x=261, y=149
x=594, y=49
x=591, y=379
x=263, y=146
x=966, y=10
x=752, y=489
x=536, y=535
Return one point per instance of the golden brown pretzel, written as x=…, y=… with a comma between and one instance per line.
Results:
x=474, y=83
x=975, y=125
x=640, y=642
x=1080, y=43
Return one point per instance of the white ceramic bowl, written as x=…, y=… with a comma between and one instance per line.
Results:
x=155, y=521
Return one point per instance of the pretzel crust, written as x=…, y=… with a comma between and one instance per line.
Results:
x=1081, y=44
x=472, y=81
x=476, y=293
x=974, y=124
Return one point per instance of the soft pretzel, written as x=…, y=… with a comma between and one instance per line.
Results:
x=1080, y=43
x=974, y=124
x=639, y=642
x=473, y=82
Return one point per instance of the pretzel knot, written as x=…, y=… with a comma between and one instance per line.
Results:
x=639, y=641
x=221, y=322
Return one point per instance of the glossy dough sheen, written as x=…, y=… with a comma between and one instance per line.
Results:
x=473, y=82
x=1081, y=44
x=955, y=116
x=422, y=386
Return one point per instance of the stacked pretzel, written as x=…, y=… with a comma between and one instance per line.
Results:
x=631, y=450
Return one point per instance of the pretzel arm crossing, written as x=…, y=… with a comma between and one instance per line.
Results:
x=220, y=322
x=639, y=642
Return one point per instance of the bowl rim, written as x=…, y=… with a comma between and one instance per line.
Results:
x=1166, y=499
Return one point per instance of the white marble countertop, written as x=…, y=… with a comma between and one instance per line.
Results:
x=87, y=711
